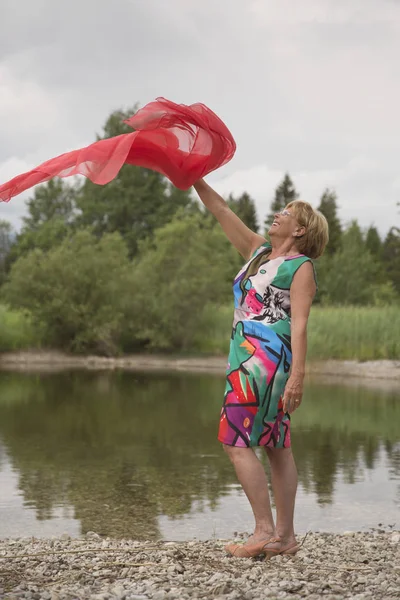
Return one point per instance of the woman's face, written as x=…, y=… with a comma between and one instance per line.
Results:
x=285, y=225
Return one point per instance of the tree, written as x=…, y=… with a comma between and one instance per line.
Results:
x=352, y=274
x=77, y=292
x=328, y=207
x=7, y=237
x=391, y=257
x=188, y=265
x=47, y=235
x=51, y=215
x=135, y=203
x=284, y=193
x=245, y=208
x=373, y=242
x=55, y=199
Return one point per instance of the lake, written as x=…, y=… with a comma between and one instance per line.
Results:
x=135, y=455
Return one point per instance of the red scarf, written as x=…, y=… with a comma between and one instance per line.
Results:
x=184, y=143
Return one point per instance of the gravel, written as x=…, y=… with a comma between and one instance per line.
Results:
x=351, y=565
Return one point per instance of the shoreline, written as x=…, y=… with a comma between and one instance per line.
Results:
x=45, y=361
x=332, y=566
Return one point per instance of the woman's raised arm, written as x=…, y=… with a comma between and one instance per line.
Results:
x=244, y=239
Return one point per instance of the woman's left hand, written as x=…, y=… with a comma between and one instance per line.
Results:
x=293, y=394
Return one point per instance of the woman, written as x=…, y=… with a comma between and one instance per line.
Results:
x=273, y=294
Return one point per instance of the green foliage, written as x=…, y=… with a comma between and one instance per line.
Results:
x=138, y=263
x=6, y=242
x=352, y=275
x=77, y=292
x=115, y=124
x=6, y=235
x=354, y=333
x=55, y=199
x=284, y=193
x=328, y=207
x=17, y=331
x=188, y=264
x=51, y=214
x=346, y=333
x=391, y=257
x=47, y=236
x=214, y=332
x=135, y=203
x=245, y=208
x=373, y=242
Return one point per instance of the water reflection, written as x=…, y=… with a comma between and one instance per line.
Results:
x=120, y=450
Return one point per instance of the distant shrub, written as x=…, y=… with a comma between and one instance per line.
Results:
x=17, y=331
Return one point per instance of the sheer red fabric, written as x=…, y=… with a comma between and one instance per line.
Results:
x=184, y=143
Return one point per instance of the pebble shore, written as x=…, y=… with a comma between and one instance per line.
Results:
x=329, y=566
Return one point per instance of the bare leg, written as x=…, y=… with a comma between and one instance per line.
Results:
x=252, y=477
x=284, y=485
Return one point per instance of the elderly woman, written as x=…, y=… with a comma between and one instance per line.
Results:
x=273, y=293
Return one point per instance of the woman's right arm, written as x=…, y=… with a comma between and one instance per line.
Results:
x=243, y=238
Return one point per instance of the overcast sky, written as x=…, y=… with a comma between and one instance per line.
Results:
x=310, y=87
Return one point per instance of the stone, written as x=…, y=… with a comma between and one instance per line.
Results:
x=179, y=568
x=91, y=535
x=118, y=592
x=330, y=566
x=171, y=569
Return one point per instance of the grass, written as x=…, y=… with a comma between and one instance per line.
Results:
x=16, y=330
x=346, y=333
x=214, y=330
x=354, y=333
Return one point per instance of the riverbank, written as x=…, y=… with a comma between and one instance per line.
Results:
x=334, y=567
x=41, y=361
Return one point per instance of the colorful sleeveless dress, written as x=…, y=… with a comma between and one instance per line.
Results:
x=260, y=353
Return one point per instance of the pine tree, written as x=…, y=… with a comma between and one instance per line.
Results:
x=245, y=208
x=349, y=275
x=284, y=193
x=7, y=238
x=373, y=242
x=391, y=256
x=328, y=207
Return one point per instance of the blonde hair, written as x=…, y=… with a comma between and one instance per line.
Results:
x=313, y=242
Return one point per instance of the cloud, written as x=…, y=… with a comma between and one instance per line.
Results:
x=14, y=210
x=305, y=87
x=357, y=185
